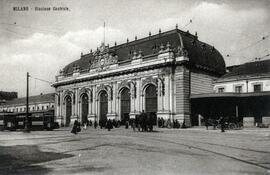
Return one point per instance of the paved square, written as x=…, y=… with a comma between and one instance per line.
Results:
x=121, y=151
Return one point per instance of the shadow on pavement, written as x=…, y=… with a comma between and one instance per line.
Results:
x=20, y=159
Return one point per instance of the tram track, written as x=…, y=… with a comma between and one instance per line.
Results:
x=187, y=143
x=154, y=138
x=210, y=151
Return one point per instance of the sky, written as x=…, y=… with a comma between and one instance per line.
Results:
x=43, y=42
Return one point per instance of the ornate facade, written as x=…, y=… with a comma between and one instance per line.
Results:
x=156, y=74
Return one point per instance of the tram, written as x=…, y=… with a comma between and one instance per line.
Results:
x=38, y=120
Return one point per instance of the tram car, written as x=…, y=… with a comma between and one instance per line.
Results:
x=38, y=120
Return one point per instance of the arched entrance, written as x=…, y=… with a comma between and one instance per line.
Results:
x=68, y=109
x=84, y=107
x=103, y=109
x=125, y=104
x=151, y=101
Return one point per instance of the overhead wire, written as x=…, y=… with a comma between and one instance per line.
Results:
x=13, y=32
x=190, y=21
x=46, y=81
x=250, y=45
x=29, y=27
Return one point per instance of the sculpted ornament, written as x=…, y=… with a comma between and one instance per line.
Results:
x=123, y=84
x=149, y=80
x=161, y=86
x=106, y=88
x=181, y=52
x=133, y=89
x=103, y=58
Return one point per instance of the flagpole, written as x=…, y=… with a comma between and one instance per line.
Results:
x=104, y=33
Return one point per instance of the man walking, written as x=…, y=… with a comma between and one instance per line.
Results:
x=222, y=124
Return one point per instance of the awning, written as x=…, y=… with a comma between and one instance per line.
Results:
x=230, y=94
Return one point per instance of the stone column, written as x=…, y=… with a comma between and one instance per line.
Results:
x=91, y=115
x=164, y=86
x=134, y=105
x=74, y=106
x=138, y=96
x=114, y=100
x=159, y=95
x=111, y=100
x=58, y=108
x=117, y=102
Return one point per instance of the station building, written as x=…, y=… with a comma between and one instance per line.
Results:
x=157, y=74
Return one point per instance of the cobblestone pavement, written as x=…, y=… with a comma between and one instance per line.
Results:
x=122, y=151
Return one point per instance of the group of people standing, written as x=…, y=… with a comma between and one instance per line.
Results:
x=143, y=122
x=168, y=124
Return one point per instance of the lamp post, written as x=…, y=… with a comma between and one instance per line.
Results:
x=27, y=123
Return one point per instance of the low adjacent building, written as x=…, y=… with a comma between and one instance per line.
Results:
x=243, y=92
x=40, y=102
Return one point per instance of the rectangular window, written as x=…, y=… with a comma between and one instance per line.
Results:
x=257, y=88
x=238, y=89
x=220, y=90
x=42, y=107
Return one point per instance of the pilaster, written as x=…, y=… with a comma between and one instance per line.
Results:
x=182, y=95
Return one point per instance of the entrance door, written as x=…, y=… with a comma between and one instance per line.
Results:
x=125, y=104
x=85, y=108
x=68, y=110
x=151, y=102
x=103, y=105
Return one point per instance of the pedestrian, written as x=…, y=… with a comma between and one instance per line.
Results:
x=78, y=127
x=100, y=124
x=109, y=124
x=140, y=122
x=74, y=128
x=126, y=123
x=90, y=123
x=206, y=123
x=114, y=123
x=222, y=124
x=152, y=119
x=133, y=124
x=143, y=121
x=162, y=123
x=169, y=123
x=85, y=126
x=95, y=124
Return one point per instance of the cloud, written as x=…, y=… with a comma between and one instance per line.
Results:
x=229, y=25
x=43, y=55
x=230, y=30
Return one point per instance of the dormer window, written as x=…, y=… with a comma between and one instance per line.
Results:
x=238, y=89
x=257, y=87
x=221, y=90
